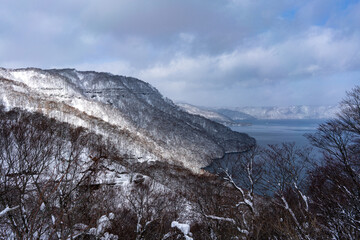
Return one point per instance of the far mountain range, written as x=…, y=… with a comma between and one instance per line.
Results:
x=233, y=116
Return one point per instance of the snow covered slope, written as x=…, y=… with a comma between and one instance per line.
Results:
x=130, y=112
x=209, y=114
x=221, y=115
x=234, y=114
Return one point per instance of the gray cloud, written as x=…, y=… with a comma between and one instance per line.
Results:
x=236, y=52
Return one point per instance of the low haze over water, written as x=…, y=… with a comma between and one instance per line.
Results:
x=278, y=131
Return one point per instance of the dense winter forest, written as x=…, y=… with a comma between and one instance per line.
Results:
x=54, y=184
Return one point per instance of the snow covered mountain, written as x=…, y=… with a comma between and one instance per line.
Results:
x=291, y=112
x=232, y=116
x=206, y=113
x=221, y=115
x=129, y=112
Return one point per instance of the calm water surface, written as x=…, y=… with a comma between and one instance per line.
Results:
x=270, y=132
x=278, y=131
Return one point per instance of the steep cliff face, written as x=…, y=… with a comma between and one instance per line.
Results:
x=130, y=112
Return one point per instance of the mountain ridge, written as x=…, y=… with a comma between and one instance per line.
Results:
x=129, y=111
x=237, y=115
x=292, y=112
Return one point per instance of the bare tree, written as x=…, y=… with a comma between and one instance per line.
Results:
x=286, y=171
x=24, y=153
x=43, y=167
x=149, y=202
x=243, y=171
x=335, y=182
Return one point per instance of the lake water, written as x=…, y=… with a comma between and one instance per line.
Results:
x=278, y=131
x=270, y=132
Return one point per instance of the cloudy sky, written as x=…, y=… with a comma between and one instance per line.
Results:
x=204, y=52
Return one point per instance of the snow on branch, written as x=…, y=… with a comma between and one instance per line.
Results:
x=243, y=231
x=6, y=210
x=221, y=218
x=246, y=202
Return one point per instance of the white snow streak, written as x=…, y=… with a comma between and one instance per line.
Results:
x=6, y=210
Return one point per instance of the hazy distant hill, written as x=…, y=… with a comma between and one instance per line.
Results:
x=231, y=116
x=291, y=112
x=209, y=114
x=234, y=114
x=220, y=115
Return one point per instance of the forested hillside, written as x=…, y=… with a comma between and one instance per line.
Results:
x=63, y=182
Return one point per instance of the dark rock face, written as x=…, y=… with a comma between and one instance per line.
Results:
x=129, y=112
